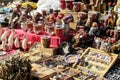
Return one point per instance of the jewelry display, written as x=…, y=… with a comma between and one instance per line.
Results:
x=86, y=74
x=114, y=72
x=96, y=61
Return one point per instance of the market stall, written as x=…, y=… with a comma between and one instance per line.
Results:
x=69, y=41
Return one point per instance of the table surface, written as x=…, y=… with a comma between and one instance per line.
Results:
x=55, y=41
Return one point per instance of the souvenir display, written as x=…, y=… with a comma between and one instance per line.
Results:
x=50, y=66
x=114, y=72
x=56, y=40
x=96, y=61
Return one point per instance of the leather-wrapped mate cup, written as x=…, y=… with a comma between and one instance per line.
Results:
x=45, y=41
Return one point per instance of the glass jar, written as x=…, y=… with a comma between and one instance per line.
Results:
x=23, y=26
x=29, y=24
x=49, y=28
x=38, y=27
x=59, y=30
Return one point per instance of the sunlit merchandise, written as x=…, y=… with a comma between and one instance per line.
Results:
x=96, y=61
x=114, y=72
x=21, y=70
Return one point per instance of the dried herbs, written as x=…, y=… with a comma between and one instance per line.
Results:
x=16, y=68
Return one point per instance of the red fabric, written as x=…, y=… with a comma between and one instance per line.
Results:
x=55, y=41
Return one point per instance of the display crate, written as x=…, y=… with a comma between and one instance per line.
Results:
x=96, y=61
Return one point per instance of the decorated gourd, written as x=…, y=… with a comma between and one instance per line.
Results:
x=24, y=43
x=4, y=44
x=17, y=42
x=4, y=35
x=10, y=39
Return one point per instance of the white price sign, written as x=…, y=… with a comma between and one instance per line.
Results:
x=118, y=10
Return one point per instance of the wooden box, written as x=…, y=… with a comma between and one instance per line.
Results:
x=100, y=61
x=43, y=73
x=37, y=47
x=68, y=74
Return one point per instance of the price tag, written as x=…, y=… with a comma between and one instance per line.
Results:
x=118, y=10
